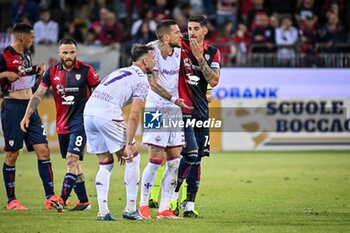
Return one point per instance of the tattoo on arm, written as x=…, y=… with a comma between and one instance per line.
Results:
x=36, y=99
x=153, y=80
x=208, y=73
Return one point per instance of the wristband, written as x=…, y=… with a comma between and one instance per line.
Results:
x=173, y=99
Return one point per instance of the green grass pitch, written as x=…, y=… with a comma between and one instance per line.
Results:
x=239, y=192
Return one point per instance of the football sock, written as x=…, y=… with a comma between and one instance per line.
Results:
x=148, y=178
x=102, y=186
x=68, y=183
x=9, y=174
x=80, y=190
x=169, y=183
x=189, y=206
x=131, y=181
x=157, y=184
x=46, y=175
x=185, y=164
x=184, y=192
x=193, y=180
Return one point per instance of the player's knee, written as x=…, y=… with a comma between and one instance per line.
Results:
x=42, y=152
x=11, y=158
x=191, y=158
x=80, y=178
x=72, y=164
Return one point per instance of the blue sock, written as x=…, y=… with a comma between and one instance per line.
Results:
x=79, y=189
x=193, y=180
x=68, y=184
x=9, y=173
x=46, y=175
x=181, y=175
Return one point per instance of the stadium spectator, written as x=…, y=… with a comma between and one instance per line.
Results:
x=286, y=39
x=181, y=14
x=307, y=9
x=227, y=10
x=107, y=133
x=72, y=30
x=196, y=53
x=24, y=11
x=241, y=39
x=245, y=7
x=46, y=30
x=6, y=38
x=96, y=8
x=144, y=34
x=72, y=82
x=222, y=39
x=332, y=34
x=164, y=145
x=308, y=37
x=274, y=21
x=18, y=76
x=108, y=30
x=257, y=9
x=263, y=36
x=160, y=10
x=146, y=16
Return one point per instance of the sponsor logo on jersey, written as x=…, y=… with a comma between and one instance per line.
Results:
x=56, y=78
x=60, y=89
x=170, y=72
x=68, y=100
x=76, y=149
x=192, y=79
x=16, y=62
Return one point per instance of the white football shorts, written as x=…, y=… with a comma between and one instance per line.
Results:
x=104, y=135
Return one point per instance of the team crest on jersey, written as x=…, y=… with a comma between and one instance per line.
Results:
x=207, y=57
x=78, y=76
x=176, y=55
x=11, y=142
x=158, y=138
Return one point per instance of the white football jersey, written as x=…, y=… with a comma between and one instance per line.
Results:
x=168, y=76
x=115, y=92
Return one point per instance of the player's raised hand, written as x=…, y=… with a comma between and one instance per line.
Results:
x=181, y=103
x=196, y=48
x=24, y=124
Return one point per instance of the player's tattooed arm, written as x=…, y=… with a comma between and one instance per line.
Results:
x=211, y=75
x=32, y=106
x=156, y=87
x=36, y=99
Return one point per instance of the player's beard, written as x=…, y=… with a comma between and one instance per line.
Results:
x=69, y=66
x=174, y=45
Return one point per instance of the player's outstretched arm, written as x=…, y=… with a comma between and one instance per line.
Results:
x=133, y=121
x=32, y=106
x=157, y=88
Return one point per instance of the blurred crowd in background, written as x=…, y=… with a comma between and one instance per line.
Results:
x=239, y=28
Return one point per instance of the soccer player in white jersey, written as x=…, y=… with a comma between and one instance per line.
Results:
x=163, y=99
x=107, y=133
